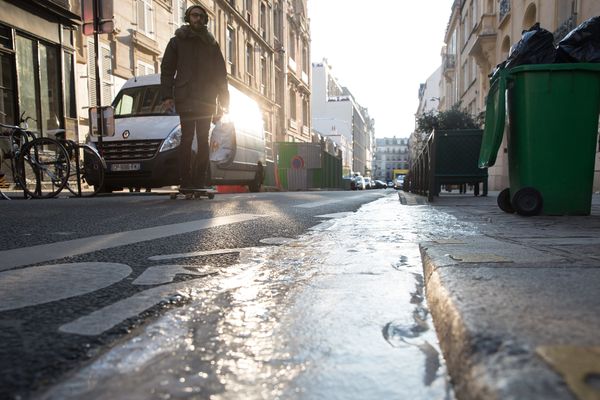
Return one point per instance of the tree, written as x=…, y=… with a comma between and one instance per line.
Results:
x=454, y=118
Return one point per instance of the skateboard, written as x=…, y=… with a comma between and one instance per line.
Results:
x=189, y=194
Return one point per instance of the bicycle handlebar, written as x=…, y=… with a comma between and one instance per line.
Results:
x=11, y=127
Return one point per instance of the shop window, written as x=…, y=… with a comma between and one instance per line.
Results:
x=40, y=94
x=69, y=78
x=7, y=89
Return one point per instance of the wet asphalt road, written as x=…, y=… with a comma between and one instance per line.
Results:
x=269, y=295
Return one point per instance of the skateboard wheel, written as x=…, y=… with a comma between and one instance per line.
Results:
x=173, y=196
x=211, y=196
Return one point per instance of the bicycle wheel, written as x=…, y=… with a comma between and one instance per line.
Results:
x=43, y=168
x=87, y=171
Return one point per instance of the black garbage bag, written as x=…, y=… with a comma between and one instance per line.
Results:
x=582, y=44
x=535, y=47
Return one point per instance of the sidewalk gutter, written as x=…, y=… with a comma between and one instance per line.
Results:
x=517, y=305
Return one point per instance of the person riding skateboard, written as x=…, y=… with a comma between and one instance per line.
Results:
x=194, y=82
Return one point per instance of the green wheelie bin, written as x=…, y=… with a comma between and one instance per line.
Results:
x=552, y=128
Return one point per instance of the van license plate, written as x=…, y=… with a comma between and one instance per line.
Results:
x=125, y=167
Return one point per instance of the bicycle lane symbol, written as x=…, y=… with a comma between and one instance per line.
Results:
x=43, y=284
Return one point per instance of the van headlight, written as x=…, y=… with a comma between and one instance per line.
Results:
x=173, y=140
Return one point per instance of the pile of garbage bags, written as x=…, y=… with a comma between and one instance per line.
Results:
x=581, y=45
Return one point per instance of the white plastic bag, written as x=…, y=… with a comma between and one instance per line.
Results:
x=222, y=142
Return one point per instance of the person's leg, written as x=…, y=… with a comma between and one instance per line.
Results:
x=188, y=128
x=201, y=164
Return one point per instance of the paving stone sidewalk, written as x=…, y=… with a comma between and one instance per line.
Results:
x=516, y=304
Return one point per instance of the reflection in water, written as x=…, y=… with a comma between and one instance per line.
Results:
x=337, y=314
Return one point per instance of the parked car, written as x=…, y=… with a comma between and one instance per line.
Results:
x=390, y=184
x=399, y=184
x=360, y=183
x=368, y=182
x=380, y=184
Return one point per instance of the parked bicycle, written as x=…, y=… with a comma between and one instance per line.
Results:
x=87, y=167
x=39, y=165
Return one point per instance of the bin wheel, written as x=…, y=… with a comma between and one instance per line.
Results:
x=504, y=201
x=527, y=202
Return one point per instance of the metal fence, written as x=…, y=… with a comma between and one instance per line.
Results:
x=448, y=158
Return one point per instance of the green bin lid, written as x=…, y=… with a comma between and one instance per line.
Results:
x=495, y=114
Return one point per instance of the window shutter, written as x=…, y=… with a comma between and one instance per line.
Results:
x=91, y=74
x=141, y=14
x=106, y=66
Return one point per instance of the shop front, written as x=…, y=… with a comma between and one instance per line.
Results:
x=37, y=64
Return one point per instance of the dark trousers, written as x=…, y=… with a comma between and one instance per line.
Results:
x=193, y=165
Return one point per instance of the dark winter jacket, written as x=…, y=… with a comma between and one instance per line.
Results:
x=193, y=72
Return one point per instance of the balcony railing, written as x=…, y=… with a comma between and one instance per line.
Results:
x=449, y=61
x=504, y=8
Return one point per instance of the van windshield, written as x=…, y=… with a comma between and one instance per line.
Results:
x=139, y=101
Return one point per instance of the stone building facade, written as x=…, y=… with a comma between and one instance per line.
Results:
x=479, y=36
x=336, y=114
x=390, y=154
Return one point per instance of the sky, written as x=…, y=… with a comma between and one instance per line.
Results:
x=381, y=50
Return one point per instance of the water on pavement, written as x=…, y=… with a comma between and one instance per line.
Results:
x=339, y=313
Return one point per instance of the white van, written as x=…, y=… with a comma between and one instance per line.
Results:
x=143, y=153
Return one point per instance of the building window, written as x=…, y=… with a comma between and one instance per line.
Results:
x=7, y=81
x=292, y=104
x=40, y=95
x=69, y=79
x=465, y=76
x=264, y=76
x=249, y=11
x=305, y=116
x=231, y=49
x=144, y=68
x=263, y=20
x=145, y=17
x=278, y=89
x=305, y=60
x=277, y=22
x=292, y=45
x=179, y=7
x=474, y=13
x=249, y=62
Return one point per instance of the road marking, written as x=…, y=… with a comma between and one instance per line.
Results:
x=276, y=240
x=246, y=254
x=53, y=251
x=335, y=215
x=105, y=318
x=39, y=285
x=194, y=254
x=317, y=203
x=160, y=274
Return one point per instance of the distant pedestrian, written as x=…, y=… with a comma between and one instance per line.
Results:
x=194, y=81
